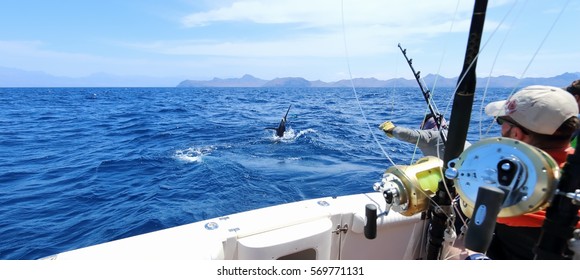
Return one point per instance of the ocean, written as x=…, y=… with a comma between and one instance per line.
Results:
x=82, y=166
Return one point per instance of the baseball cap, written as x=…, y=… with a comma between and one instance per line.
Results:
x=541, y=109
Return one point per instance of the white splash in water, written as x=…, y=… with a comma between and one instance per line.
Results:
x=192, y=154
x=304, y=132
x=291, y=135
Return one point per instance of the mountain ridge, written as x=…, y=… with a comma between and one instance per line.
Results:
x=12, y=77
x=294, y=82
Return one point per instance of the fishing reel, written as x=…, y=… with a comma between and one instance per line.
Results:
x=527, y=176
x=500, y=177
x=407, y=189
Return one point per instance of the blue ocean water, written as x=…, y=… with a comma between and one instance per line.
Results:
x=82, y=166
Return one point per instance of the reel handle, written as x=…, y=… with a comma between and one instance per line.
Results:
x=482, y=224
x=370, y=228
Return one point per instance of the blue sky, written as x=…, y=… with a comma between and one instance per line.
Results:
x=199, y=39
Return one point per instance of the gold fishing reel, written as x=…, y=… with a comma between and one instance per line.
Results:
x=407, y=189
x=527, y=175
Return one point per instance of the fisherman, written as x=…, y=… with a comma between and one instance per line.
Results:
x=544, y=117
x=574, y=89
x=427, y=137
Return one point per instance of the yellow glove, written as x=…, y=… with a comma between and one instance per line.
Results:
x=387, y=127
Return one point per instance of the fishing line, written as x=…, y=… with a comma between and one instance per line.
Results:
x=481, y=109
x=445, y=47
x=353, y=87
x=492, y=35
x=441, y=63
x=531, y=60
x=394, y=88
x=360, y=106
x=416, y=146
x=446, y=187
x=434, y=104
x=544, y=39
x=432, y=91
x=438, y=73
x=542, y=43
x=519, y=81
x=481, y=49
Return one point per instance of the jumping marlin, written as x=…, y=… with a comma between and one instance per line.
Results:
x=282, y=126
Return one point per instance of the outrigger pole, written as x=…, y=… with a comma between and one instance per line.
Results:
x=440, y=207
x=427, y=95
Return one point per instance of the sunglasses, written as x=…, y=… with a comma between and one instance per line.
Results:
x=501, y=121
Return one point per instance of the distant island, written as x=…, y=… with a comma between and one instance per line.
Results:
x=298, y=82
x=12, y=77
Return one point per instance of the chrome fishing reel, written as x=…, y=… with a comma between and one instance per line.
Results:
x=527, y=176
x=407, y=189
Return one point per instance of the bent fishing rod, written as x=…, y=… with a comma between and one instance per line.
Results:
x=427, y=95
x=440, y=205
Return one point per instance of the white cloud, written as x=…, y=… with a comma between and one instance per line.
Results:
x=328, y=13
x=371, y=27
x=267, y=12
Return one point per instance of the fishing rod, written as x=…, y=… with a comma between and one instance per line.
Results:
x=440, y=205
x=427, y=95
